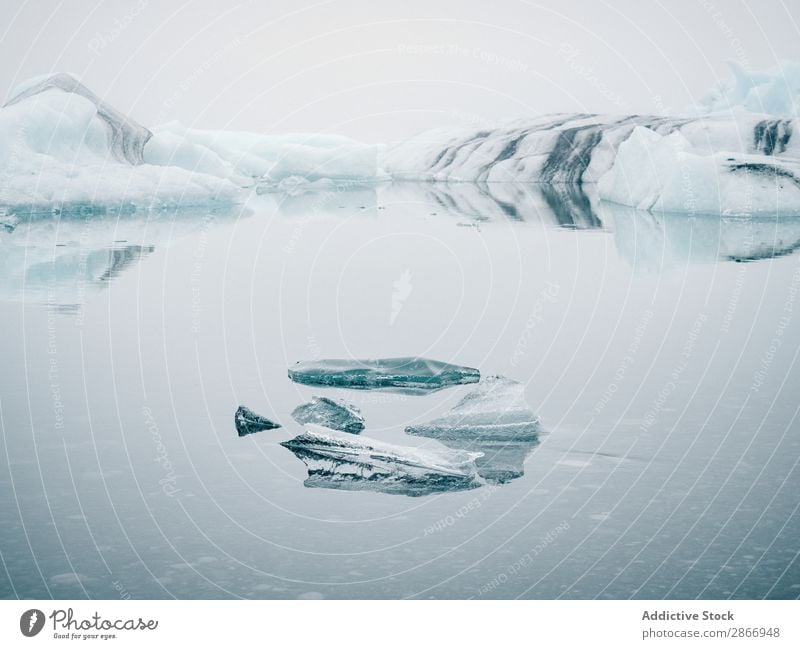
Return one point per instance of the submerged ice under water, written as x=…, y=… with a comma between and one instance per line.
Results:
x=666, y=467
x=338, y=460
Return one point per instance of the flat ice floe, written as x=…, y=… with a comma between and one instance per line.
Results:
x=493, y=419
x=408, y=374
x=337, y=460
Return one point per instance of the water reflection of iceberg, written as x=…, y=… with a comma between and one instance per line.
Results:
x=337, y=460
x=561, y=205
x=61, y=258
x=652, y=241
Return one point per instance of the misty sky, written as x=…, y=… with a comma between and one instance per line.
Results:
x=382, y=71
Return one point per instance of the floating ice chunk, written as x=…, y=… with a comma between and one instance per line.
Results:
x=248, y=422
x=666, y=174
x=331, y=413
x=410, y=375
x=493, y=419
x=338, y=460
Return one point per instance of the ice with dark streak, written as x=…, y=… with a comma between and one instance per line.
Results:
x=573, y=148
x=248, y=422
x=406, y=375
x=127, y=138
x=335, y=414
x=493, y=419
x=337, y=460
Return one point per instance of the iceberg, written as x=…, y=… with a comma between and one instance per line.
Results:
x=265, y=160
x=774, y=92
x=409, y=375
x=330, y=413
x=494, y=420
x=665, y=173
x=248, y=422
x=60, y=144
x=125, y=138
x=744, y=158
x=338, y=460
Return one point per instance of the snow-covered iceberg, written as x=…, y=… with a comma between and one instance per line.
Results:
x=408, y=374
x=493, y=419
x=337, y=460
x=248, y=422
x=335, y=414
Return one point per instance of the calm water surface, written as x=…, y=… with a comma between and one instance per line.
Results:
x=659, y=352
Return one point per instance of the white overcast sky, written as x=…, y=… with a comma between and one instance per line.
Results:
x=384, y=70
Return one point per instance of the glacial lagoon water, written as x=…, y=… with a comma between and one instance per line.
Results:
x=659, y=353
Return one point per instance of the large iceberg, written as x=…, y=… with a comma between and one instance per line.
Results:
x=667, y=174
x=61, y=145
x=410, y=375
x=493, y=419
x=738, y=162
x=338, y=460
x=330, y=413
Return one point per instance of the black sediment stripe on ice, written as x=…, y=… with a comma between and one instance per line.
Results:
x=763, y=168
x=448, y=155
x=772, y=134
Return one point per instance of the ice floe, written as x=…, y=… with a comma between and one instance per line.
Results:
x=337, y=460
x=335, y=414
x=248, y=422
x=411, y=375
